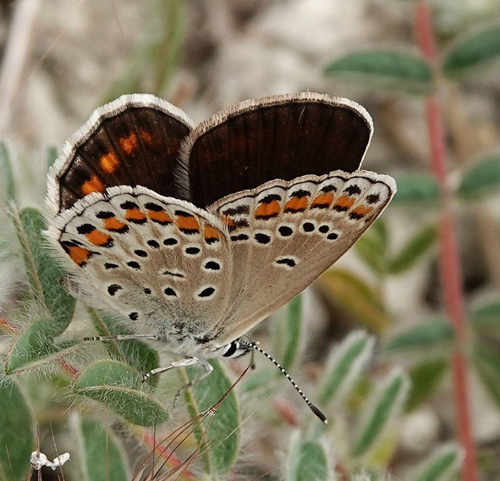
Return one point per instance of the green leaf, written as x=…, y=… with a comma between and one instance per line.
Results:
x=307, y=461
x=425, y=378
x=372, y=247
x=17, y=435
x=434, y=334
x=136, y=354
x=356, y=296
x=476, y=50
x=6, y=176
x=482, y=178
x=118, y=387
x=346, y=365
x=442, y=465
x=293, y=332
x=34, y=345
x=487, y=364
x=389, y=69
x=384, y=409
x=487, y=316
x=43, y=271
x=417, y=190
x=222, y=440
x=414, y=250
x=102, y=457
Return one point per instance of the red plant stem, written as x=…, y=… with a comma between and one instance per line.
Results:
x=451, y=275
x=70, y=370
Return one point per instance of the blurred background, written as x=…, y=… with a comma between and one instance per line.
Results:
x=402, y=282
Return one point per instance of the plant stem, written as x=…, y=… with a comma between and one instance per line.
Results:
x=451, y=275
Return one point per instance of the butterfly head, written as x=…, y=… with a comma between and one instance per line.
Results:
x=234, y=349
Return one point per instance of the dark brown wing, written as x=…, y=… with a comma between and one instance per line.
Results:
x=280, y=137
x=134, y=140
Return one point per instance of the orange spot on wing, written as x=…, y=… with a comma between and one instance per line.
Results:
x=113, y=224
x=92, y=185
x=272, y=209
x=145, y=136
x=323, y=200
x=228, y=221
x=211, y=233
x=98, y=238
x=150, y=138
x=361, y=211
x=109, y=162
x=78, y=254
x=134, y=214
x=159, y=216
x=129, y=144
x=296, y=204
x=188, y=223
x=345, y=202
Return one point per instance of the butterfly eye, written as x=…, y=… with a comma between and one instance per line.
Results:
x=234, y=349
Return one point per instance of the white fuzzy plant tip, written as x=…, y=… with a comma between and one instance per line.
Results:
x=38, y=460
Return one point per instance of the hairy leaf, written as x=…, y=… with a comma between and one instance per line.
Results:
x=417, y=190
x=118, y=386
x=434, y=334
x=482, y=178
x=17, y=435
x=356, y=296
x=307, y=461
x=220, y=431
x=414, y=250
x=43, y=271
x=389, y=69
x=383, y=410
x=476, y=50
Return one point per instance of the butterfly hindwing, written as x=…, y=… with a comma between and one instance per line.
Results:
x=156, y=260
x=285, y=234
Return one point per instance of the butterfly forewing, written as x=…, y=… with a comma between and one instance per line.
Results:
x=134, y=140
x=161, y=262
x=280, y=137
x=285, y=234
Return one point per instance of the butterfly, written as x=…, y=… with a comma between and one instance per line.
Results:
x=195, y=234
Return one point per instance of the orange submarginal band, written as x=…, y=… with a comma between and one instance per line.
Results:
x=344, y=202
x=268, y=211
x=323, y=200
x=113, y=224
x=160, y=216
x=77, y=254
x=361, y=211
x=92, y=185
x=135, y=214
x=98, y=238
x=188, y=223
x=296, y=204
x=211, y=234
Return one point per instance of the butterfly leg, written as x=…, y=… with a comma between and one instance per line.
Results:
x=123, y=337
x=188, y=361
x=184, y=388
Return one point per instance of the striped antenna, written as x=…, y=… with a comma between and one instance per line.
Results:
x=312, y=407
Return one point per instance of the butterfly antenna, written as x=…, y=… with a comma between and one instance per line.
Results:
x=312, y=407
